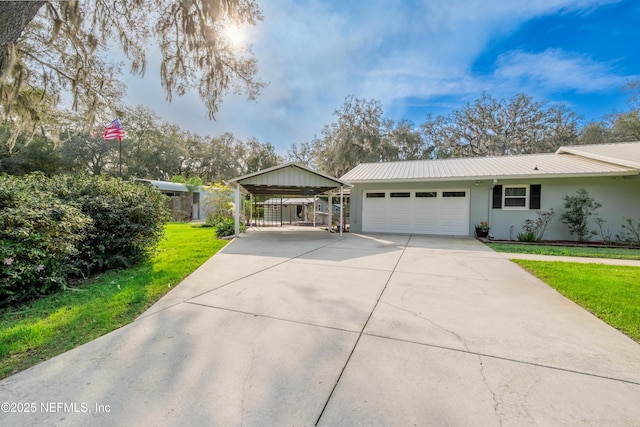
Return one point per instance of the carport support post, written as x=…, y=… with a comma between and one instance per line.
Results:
x=250, y=208
x=237, y=211
x=330, y=225
x=314, y=211
x=341, y=212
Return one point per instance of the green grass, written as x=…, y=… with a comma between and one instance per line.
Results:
x=617, y=253
x=612, y=293
x=41, y=329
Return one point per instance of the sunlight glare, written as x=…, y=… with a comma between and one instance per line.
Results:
x=234, y=34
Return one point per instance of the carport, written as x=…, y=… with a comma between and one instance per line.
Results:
x=289, y=179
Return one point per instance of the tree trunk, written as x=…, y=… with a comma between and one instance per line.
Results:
x=14, y=17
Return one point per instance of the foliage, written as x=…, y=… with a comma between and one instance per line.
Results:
x=27, y=155
x=527, y=236
x=63, y=46
x=225, y=226
x=41, y=329
x=217, y=200
x=534, y=230
x=260, y=156
x=610, y=292
x=633, y=230
x=127, y=220
x=55, y=228
x=39, y=238
x=83, y=152
x=483, y=226
x=577, y=251
x=491, y=127
x=579, y=209
x=355, y=137
x=605, y=234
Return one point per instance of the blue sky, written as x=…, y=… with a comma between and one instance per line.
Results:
x=416, y=57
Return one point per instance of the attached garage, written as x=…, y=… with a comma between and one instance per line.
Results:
x=422, y=211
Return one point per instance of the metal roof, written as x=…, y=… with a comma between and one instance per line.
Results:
x=166, y=185
x=289, y=179
x=623, y=153
x=559, y=164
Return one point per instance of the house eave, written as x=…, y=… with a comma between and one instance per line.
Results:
x=629, y=173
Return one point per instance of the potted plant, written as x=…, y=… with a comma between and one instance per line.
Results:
x=482, y=229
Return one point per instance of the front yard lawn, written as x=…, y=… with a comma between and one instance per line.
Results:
x=612, y=293
x=41, y=329
x=617, y=253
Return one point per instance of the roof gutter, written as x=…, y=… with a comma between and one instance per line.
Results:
x=630, y=172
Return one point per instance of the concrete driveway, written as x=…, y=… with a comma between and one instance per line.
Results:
x=306, y=328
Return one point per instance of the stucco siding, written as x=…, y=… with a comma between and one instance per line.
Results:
x=620, y=197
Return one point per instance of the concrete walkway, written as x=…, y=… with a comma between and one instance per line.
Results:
x=304, y=328
x=582, y=260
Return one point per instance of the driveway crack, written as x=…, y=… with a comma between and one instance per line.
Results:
x=496, y=402
x=244, y=384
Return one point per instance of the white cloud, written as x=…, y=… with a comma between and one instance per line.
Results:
x=314, y=53
x=556, y=70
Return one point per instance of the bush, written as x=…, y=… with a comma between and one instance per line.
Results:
x=536, y=228
x=579, y=209
x=632, y=231
x=226, y=227
x=128, y=220
x=39, y=235
x=52, y=229
x=527, y=236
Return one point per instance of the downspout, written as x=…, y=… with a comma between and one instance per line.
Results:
x=490, y=205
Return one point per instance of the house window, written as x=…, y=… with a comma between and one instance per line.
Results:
x=454, y=194
x=375, y=195
x=400, y=194
x=426, y=194
x=515, y=197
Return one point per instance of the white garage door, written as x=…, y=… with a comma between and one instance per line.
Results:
x=444, y=212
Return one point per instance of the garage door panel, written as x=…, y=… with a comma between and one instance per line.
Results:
x=429, y=213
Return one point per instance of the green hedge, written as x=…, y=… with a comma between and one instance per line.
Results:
x=54, y=229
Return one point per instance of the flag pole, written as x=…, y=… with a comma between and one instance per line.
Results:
x=120, y=157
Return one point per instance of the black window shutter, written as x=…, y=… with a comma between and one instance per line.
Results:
x=534, y=197
x=497, y=197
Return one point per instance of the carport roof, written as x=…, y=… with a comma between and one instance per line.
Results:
x=290, y=179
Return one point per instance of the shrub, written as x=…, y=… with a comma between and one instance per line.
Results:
x=128, y=220
x=52, y=229
x=633, y=230
x=579, y=209
x=527, y=236
x=217, y=201
x=39, y=235
x=538, y=227
x=226, y=227
x=605, y=234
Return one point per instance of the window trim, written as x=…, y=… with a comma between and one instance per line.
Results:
x=454, y=193
x=426, y=194
x=525, y=197
x=400, y=194
x=375, y=195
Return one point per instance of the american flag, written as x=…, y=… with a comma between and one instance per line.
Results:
x=113, y=131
